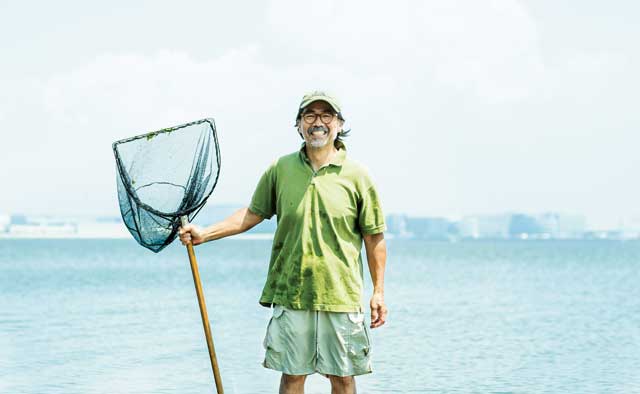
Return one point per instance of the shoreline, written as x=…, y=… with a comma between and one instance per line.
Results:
x=260, y=236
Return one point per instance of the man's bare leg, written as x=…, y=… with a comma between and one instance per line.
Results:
x=342, y=384
x=292, y=384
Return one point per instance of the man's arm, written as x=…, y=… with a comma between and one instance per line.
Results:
x=376, y=258
x=239, y=222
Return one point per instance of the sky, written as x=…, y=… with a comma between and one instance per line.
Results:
x=456, y=107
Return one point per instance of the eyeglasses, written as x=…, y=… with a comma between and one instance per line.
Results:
x=311, y=117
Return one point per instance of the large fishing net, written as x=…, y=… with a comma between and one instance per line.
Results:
x=163, y=176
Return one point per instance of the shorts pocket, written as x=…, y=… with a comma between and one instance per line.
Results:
x=356, y=318
x=358, y=343
x=273, y=328
x=273, y=339
x=278, y=310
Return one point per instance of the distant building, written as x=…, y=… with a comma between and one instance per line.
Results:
x=571, y=226
x=433, y=228
x=42, y=230
x=397, y=225
x=40, y=226
x=630, y=227
x=485, y=226
x=4, y=223
x=548, y=224
x=524, y=226
x=45, y=226
x=18, y=219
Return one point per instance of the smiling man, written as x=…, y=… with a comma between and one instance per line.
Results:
x=326, y=206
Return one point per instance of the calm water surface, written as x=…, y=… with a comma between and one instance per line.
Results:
x=107, y=316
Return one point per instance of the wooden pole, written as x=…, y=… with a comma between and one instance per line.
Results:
x=203, y=312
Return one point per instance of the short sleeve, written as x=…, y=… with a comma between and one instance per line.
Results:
x=263, y=202
x=370, y=216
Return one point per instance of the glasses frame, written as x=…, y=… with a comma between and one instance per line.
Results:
x=316, y=116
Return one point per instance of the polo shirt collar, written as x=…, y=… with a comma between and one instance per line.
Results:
x=337, y=160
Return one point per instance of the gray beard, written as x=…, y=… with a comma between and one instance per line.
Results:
x=314, y=143
x=318, y=143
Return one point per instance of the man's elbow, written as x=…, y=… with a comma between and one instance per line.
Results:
x=250, y=220
x=373, y=239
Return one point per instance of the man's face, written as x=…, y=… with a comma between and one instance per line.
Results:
x=319, y=132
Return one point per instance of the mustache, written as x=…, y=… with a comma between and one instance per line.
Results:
x=318, y=128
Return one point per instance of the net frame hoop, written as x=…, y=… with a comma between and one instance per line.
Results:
x=127, y=182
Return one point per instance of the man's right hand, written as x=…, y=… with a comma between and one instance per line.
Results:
x=191, y=234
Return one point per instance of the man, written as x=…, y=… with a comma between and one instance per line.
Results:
x=326, y=205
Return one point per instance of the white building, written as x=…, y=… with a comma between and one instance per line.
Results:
x=4, y=222
x=485, y=226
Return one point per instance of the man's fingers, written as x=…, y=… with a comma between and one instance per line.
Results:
x=185, y=234
x=383, y=316
x=377, y=323
x=374, y=317
x=378, y=316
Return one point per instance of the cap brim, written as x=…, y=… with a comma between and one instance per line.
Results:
x=326, y=99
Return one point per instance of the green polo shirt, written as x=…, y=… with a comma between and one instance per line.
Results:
x=315, y=259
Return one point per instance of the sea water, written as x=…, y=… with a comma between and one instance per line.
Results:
x=107, y=316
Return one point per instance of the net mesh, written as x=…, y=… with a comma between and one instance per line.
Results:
x=164, y=175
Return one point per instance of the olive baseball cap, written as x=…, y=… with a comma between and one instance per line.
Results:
x=319, y=95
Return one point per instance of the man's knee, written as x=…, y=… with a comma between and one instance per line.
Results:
x=292, y=384
x=342, y=381
x=293, y=379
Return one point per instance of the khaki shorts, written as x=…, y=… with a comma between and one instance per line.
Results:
x=302, y=342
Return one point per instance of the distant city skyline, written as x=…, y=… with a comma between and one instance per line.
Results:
x=591, y=222
x=457, y=108
x=498, y=224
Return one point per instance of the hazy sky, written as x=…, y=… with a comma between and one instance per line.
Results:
x=456, y=107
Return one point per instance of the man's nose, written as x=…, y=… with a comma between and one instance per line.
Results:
x=318, y=122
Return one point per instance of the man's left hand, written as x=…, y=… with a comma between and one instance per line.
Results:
x=378, y=310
